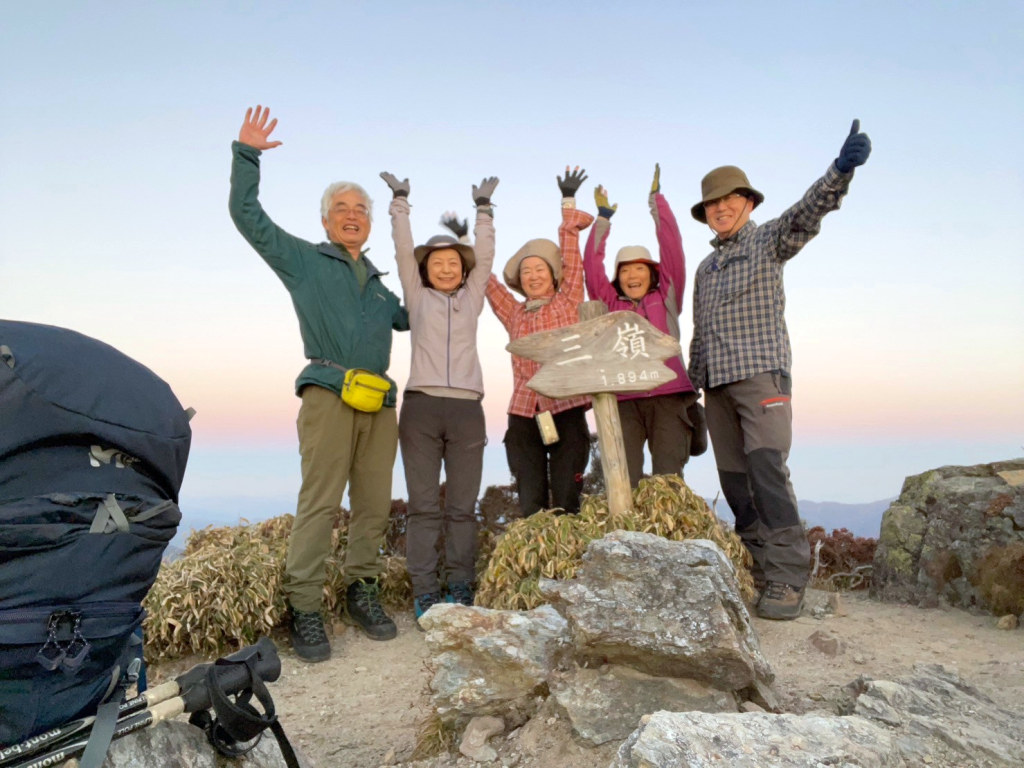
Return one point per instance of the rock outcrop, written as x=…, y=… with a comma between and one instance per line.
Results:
x=492, y=662
x=607, y=704
x=956, y=535
x=699, y=740
x=666, y=608
x=940, y=718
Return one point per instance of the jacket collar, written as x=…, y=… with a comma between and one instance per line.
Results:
x=742, y=234
x=341, y=254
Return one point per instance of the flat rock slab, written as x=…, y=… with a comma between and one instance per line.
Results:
x=492, y=662
x=936, y=713
x=699, y=740
x=607, y=704
x=667, y=608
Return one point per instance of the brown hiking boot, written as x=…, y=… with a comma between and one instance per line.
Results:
x=759, y=583
x=780, y=601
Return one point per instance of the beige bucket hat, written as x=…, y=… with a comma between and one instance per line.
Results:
x=440, y=242
x=719, y=183
x=544, y=249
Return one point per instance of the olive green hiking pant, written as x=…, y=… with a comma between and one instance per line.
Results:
x=339, y=445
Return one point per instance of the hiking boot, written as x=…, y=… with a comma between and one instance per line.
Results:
x=363, y=610
x=461, y=592
x=780, y=601
x=424, y=603
x=309, y=639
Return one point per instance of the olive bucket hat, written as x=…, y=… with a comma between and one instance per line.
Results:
x=721, y=182
x=543, y=249
x=440, y=242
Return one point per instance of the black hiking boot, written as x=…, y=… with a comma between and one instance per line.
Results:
x=363, y=610
x=461, y=592
x=424, y=603
x=309, y=639
x=780, y=601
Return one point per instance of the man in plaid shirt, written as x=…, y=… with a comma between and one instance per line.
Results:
x=552, y=282
x=740, y=355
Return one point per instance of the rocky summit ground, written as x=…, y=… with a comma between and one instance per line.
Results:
x=361, y=708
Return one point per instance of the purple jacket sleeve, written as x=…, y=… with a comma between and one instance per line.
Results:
x=599, y=288
x=670, y=245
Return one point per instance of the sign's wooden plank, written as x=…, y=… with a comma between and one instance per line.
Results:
x=617, y=352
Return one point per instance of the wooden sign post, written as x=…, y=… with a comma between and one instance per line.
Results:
x=600, y=356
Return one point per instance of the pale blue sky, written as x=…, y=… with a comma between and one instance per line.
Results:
x=906, y=313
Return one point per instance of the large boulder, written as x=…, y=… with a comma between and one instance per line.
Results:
x=491, y=662
x=938, y=716
x=607, y=704
x=666, y=608
x=955, y=534
x=697, y=739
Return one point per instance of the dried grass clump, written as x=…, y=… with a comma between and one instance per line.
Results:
x=225, y=590
x=1000, y=578
x=840, y=555
x=434, y=737
x=551, y=546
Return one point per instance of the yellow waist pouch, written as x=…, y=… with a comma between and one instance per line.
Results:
x=363, y=390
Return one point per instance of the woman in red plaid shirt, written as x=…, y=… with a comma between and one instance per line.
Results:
x=547, y=476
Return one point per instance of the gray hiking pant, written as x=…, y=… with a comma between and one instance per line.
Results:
x=432, y=431
x=751, y=427
x=661, y=422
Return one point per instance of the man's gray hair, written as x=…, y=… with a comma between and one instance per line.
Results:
x=344, y=186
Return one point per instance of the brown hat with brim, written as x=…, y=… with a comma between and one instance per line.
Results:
x=440, y=243
x=721, y=182
x=541, y=248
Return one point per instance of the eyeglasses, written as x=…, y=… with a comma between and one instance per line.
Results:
x=722, y=200
x=360, y=211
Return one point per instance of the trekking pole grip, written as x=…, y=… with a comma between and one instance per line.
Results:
x=234, y=678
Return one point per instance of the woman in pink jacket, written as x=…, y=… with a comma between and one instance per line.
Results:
x=664, y=418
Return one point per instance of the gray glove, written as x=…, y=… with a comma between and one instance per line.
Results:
x=399, y=188
x=482, y=194
x=572, y=181
x=458, y=228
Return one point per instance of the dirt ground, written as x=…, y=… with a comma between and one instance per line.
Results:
x=361, y=708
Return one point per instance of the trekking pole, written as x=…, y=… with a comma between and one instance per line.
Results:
x=191, y=685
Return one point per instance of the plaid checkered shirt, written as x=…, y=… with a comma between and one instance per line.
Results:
x=739, y=327
x=562, y=310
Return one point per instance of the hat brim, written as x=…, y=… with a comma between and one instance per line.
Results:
x=698, y=210
x=543, y=249
x=465, y=251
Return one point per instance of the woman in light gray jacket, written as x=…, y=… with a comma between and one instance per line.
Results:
x=442, y=419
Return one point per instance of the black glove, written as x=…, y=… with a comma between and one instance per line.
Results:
x=482, y=194
x=458, y=228
x=572, y=181
x=399, y=188
x=855, y=149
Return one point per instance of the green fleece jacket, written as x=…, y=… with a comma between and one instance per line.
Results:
x=337, y=320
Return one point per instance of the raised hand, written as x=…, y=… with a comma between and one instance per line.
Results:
x=571, y=182
x=482, y=194
x=255, y=129
x=398, y=188
x=656, y=184
x=458, y=228
x=604, y=210
x=855, y=149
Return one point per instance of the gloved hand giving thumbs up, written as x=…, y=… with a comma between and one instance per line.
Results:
x=855, y=149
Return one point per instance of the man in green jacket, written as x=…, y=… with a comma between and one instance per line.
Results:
x=346, y=317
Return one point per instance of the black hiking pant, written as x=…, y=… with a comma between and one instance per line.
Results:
x=548, y=476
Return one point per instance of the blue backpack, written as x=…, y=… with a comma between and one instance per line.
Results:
x=93, y=448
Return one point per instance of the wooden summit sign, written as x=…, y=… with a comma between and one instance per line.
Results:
x=603, y=355
x=617, y=352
